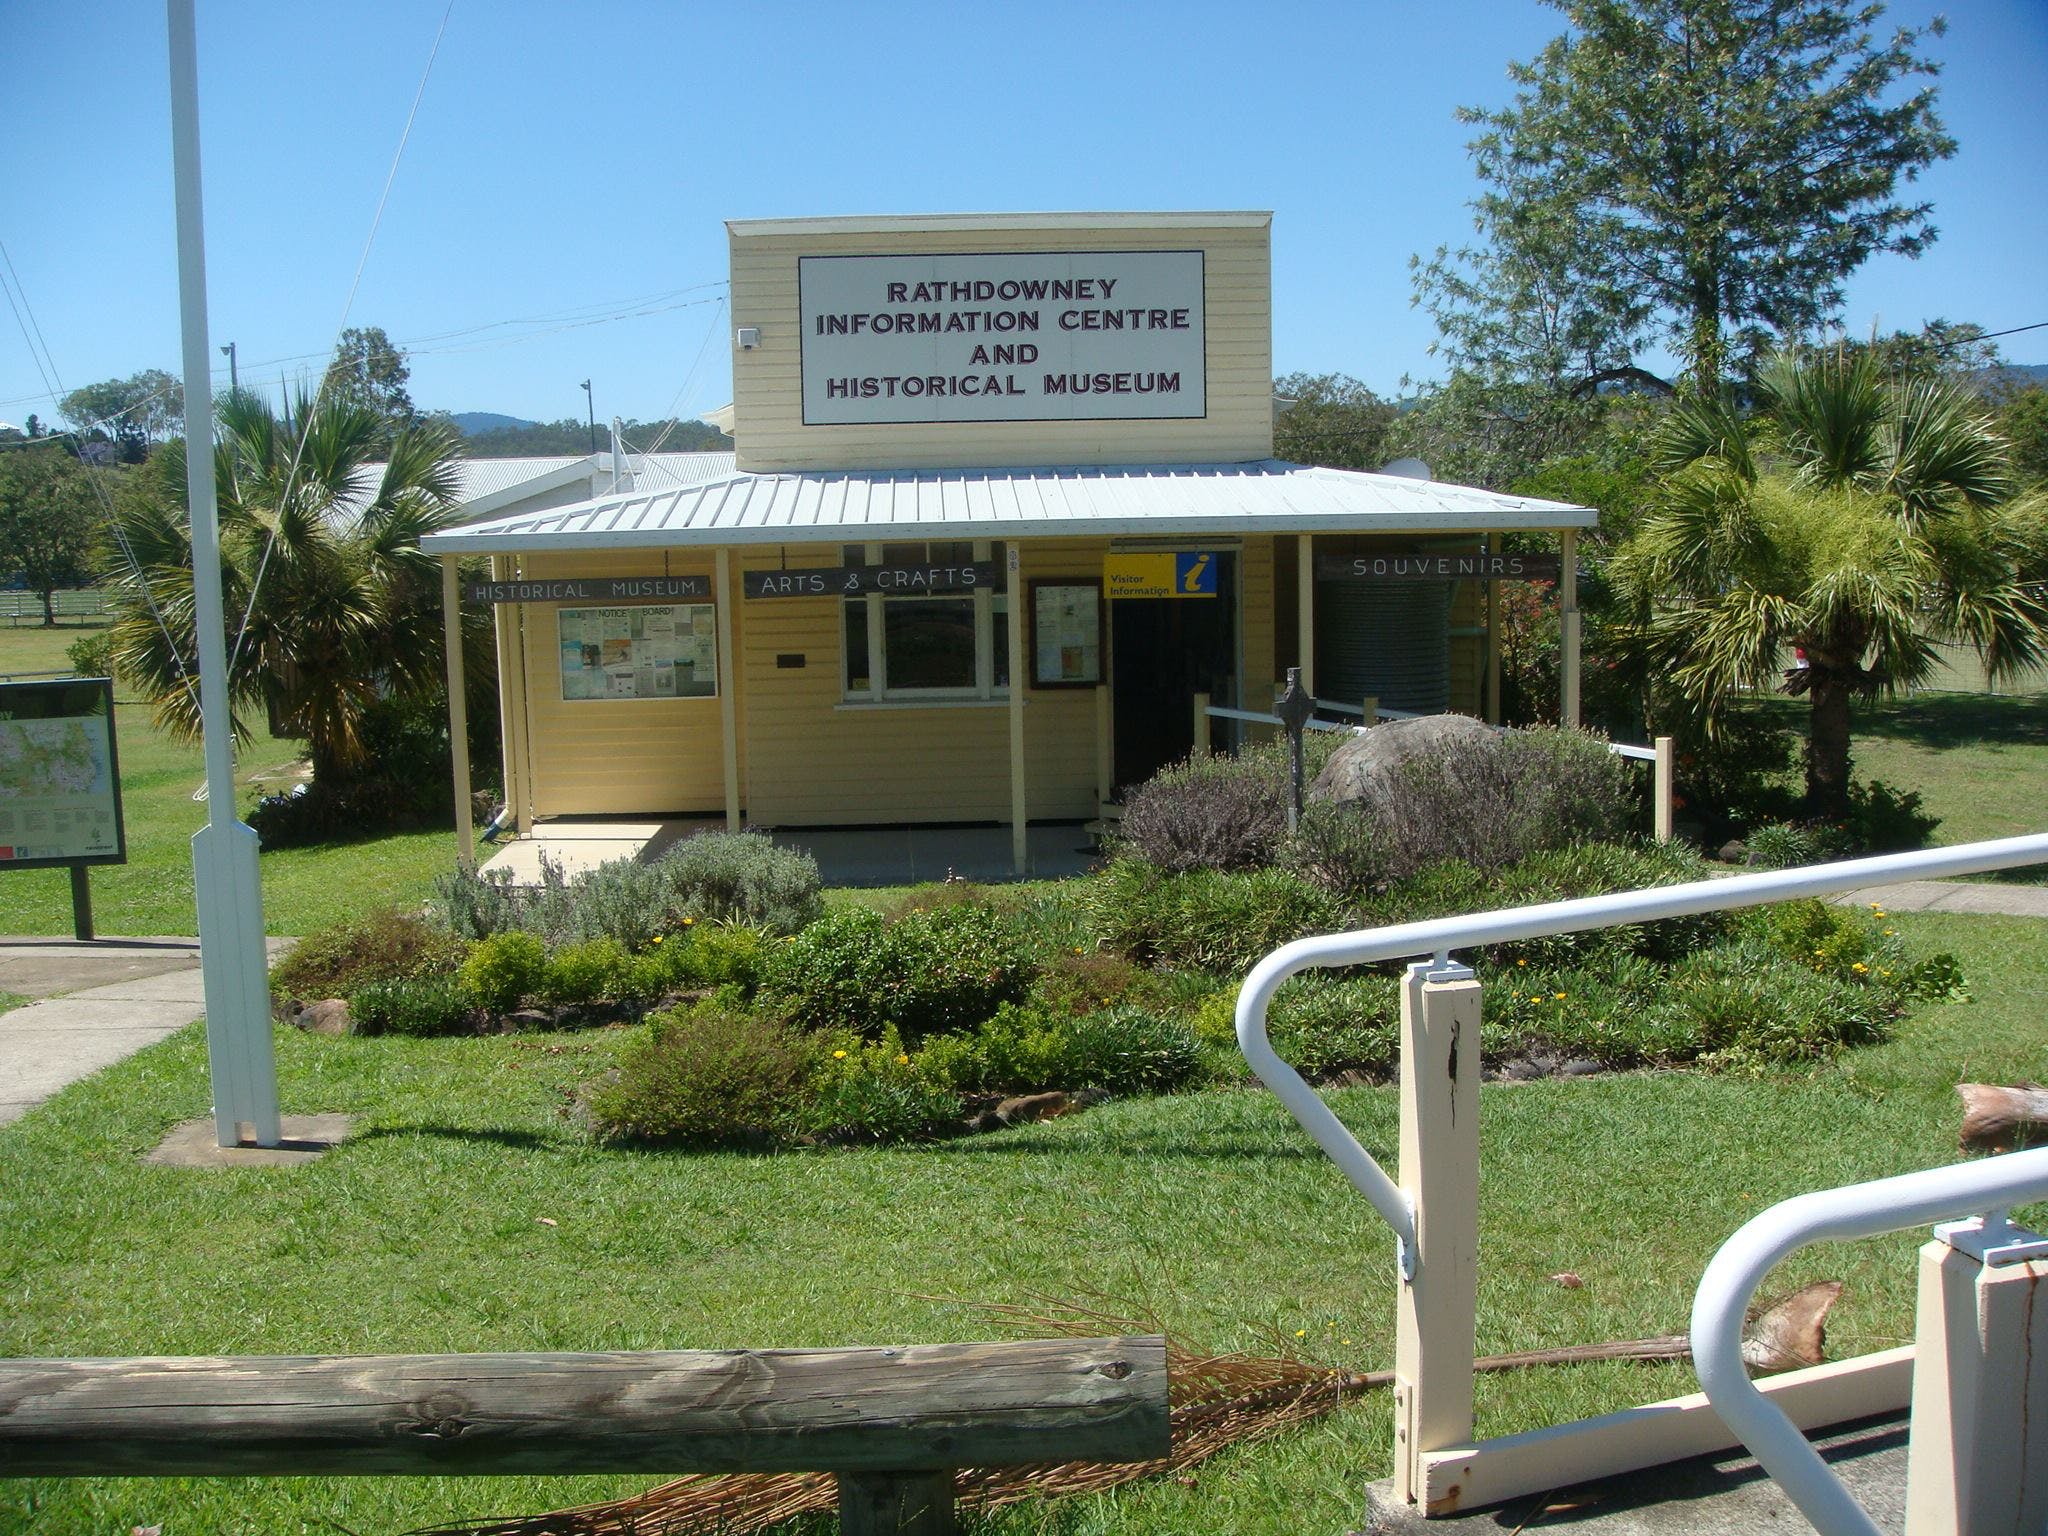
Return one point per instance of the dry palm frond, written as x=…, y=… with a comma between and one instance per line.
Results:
x=1216, y=1401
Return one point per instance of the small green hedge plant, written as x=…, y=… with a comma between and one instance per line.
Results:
x=713, y=1075
x=930, y=972
x=424, y=1006
x=504, y=970
x=388, y=944
x=876, y=1091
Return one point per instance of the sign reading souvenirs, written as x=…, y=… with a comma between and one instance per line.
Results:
x=641, y=652
x=860, y=580
x=590, y=589
x=1165, y=574
x=1022, y=336
x=60, y=785
x=1426, y=567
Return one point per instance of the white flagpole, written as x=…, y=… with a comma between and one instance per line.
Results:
x=224, y=852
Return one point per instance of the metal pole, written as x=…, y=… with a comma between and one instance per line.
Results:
x=234, y=376
x=590, y=405
x=81, y=904
x=227, y=884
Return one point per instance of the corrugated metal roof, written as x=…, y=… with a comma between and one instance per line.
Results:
x=1264, y=496
x=502, y=479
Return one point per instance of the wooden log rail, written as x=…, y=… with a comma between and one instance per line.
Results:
x=891, y=1422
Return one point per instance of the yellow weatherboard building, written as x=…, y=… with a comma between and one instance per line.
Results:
x=1003, y=510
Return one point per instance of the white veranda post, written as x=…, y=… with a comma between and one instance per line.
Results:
x=229, y=890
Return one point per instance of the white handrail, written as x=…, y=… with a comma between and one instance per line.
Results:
x=1439, y=936
x=1858, y=1210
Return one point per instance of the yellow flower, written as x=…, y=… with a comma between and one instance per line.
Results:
x=1891, y=933
x=839, y=1055
x=1521, y=962
x=1560, y=997
x=1878, y=910
x=1343, y=1341
x=902, y=1061
x=1079, y=950
x=1301, y=1333
x=688, y=920
x=1859, y=966
x=657, y=938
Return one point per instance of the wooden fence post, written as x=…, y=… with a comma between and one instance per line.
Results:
x=1661, y=791
x=1437, y=1315
x=1371, y=715
x=1105, y=759
x=1201, y=748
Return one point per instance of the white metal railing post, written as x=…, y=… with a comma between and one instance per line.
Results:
x=1732, y=1277
x=1661, y=789
x=1436, y=1315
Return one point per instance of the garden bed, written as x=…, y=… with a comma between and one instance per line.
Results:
x=761, y=1019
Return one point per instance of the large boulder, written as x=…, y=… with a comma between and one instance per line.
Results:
x=1358, y=769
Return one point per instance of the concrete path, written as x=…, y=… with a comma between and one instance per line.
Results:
x=97, y=1004
x=1954, y=896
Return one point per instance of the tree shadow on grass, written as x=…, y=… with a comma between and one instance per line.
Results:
x=1941, y=721
x=518, y=1141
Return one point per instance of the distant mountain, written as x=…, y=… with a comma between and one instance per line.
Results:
x=569, y=436
x=474, y=423
x=2027, y=373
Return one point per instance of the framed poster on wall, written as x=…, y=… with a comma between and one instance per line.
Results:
x=1066, y=634
x=646, y=651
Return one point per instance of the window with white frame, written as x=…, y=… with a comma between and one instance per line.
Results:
x=930, y=646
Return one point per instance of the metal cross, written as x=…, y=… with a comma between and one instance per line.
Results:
x=1294, y=710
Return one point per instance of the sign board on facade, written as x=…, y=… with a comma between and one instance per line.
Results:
x=1066, y=635
x=639, y=652
x=60, y=781
x=1021, y=336
x=860, y=580
x=1427, y=567
x=1163, y=573
x=590, y=589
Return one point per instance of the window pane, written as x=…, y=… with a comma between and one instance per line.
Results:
x=1001, y=640
x=930, y=642
x=956, y=552
x=857, y=675
x=853, y=554
x=903, y=554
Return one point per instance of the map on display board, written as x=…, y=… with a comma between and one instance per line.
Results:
x=60, y=798
x=647, y=651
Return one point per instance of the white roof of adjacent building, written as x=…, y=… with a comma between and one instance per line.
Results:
x=485, y=485
x=1263, y=496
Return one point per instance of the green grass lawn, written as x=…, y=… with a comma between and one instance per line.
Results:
x=1979, y=762
x=1211, y=1210
x=303, y=888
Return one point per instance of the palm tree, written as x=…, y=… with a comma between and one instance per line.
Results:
x=347, y=608
x=1858, y=521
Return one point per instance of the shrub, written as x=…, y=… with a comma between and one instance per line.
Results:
x=1202, y=919
x=711, y=1076
x=423, y=1006
x=877, y=1092
x=586, y=972
x=1127, y=1050
x=1741, y=776
x=92, y=655
x=722, y=954
x=1787, y=845
x=930, y=973
x=741, y=877
x=389, y=944
x=1208, y=813
x=503, y=970
x=1324, y=1025
x=1886, y=820
x=1080, y=979
x=1735, y=1008
x=477, y=905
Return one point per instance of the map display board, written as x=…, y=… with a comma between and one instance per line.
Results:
x=647, y=651
x=60, y=782
x=1066, y=635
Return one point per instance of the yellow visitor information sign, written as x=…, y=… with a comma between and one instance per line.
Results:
x=1169, y=573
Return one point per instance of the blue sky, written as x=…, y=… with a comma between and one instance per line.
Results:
x=575, y=162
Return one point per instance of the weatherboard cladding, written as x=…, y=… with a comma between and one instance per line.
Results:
x=1264, y=496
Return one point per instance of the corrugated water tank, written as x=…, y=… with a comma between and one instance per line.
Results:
x=1387, y=640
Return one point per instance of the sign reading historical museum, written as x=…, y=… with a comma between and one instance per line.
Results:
x=1426, y=567
x=860, y=580
x=60, y=783
x=1022, y=336
x=590, y=589
x=639, y=652
x=1166, y=573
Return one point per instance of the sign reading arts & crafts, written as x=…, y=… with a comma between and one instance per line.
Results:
x=1162, y=573
x=1021, y=336
x=1429, y=567
x=861, y=580
x=60, y=782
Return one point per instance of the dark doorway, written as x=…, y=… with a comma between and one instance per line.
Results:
x=1166, y=650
